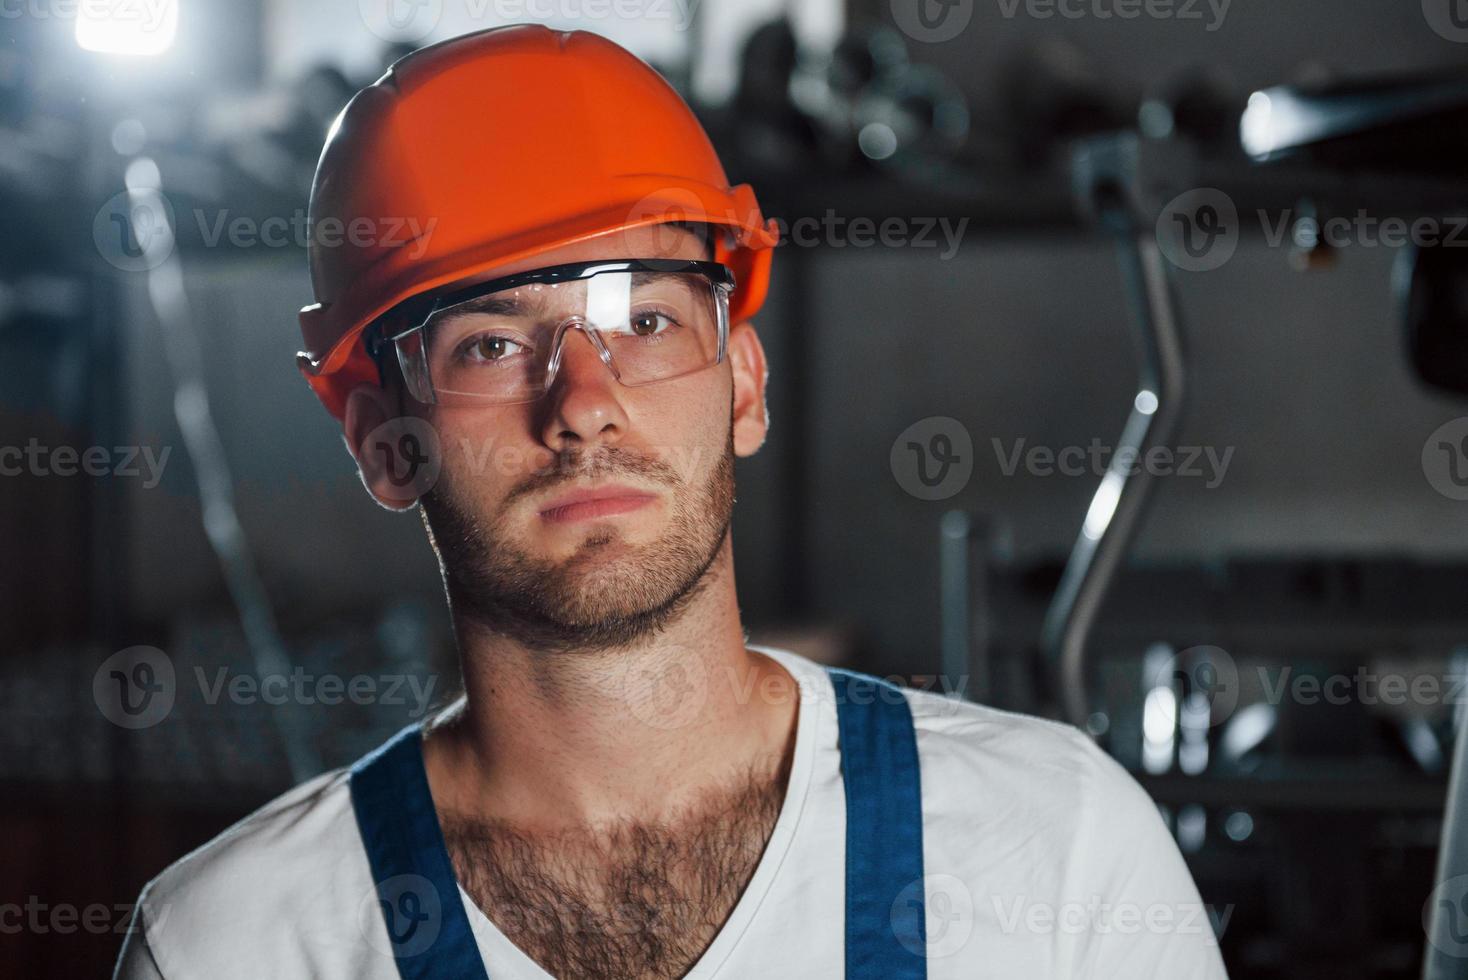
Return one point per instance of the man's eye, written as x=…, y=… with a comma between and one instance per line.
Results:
x=649, y=324
x=490, y=347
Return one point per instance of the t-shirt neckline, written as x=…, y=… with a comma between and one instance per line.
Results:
x=495, y=945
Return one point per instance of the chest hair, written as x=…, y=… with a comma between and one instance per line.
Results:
x=629, y=899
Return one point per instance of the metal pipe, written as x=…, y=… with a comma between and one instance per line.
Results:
x=1116, y=507
x=1444, y=958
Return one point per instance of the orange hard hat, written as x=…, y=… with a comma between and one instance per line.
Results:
x=489, y=148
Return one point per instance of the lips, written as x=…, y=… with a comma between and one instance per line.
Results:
x=597, y=502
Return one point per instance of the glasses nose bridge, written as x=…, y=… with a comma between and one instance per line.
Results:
x=593, y=337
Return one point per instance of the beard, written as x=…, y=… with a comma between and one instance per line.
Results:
x=587, y=601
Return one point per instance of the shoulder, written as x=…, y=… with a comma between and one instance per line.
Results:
x=972, y=755
x=288, y=828
x=1049, y=768
x=275, y=880
x=950, y=728
x=1049, y=856
x=1089, y=854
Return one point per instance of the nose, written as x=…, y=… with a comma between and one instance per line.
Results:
x=583, y=406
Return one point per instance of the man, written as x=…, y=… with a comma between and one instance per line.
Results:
x=561, y=373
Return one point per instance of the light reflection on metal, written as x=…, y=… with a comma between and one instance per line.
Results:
x=1246, y=730
x=1192, y=828
x=1193, y=720
x=1159, y=710
x=1284, y=118
x=1159, y=730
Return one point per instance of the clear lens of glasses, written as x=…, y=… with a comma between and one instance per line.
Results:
x=506, y=346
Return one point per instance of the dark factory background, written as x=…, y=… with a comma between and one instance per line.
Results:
x=1313, y=523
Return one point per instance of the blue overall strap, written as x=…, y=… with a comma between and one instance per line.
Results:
x=885, y=931
x=416, y=888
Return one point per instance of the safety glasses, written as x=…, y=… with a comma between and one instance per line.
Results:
x=501, y=342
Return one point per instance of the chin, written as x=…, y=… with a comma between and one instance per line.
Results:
x=595, y=539
x=603, y=553
x=600, y=587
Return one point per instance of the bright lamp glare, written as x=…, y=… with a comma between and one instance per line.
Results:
x=146, y=28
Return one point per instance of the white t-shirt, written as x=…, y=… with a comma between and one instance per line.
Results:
x=1042, y=858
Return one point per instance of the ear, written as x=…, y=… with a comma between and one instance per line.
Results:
x=396, y=453
x=751, y=418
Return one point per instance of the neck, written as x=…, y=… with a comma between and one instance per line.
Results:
x=553, y=740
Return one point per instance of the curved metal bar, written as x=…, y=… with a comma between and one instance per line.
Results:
x=1117, y=504
x=1443, y=958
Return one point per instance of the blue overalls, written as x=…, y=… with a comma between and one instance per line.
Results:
x=429, y=929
